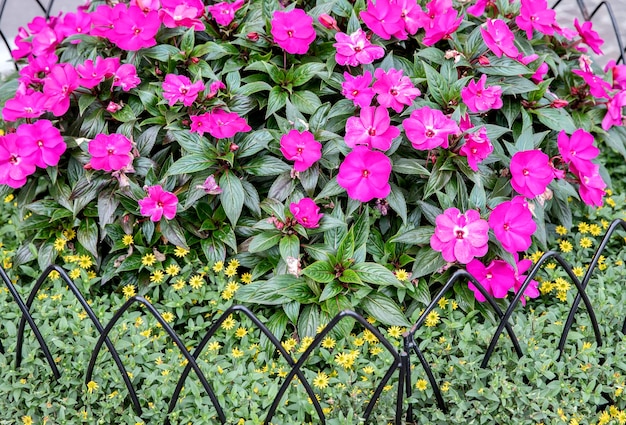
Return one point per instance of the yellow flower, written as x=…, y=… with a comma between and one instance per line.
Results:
x=129, y=291
x=127, y=240
x=236, y=352
x=610, y=202
x=376, y=350
x=196, y=281
x=583, y=227
x=229, y=323
x=551, y=266
x=10, y=196
x=290, y=344
x=147, y=333
x=69, y=234
x=168, y=316
x=227, y=294
x=368, y=370
x=217, y=267
x=91, y=274
x=595, y=230
x=402, y=275
x=180, y=252
x=27, y=420
x=565, y=246
x=546, y=287
x=304, y=344
x=536, y=256
x=54, y=275
x=75, y=274
x=455, y=305
x=241, y=332
x=246, y=278
x=230, y=271
x=445, y=386
x=92, y=386
x=321, y=381
x=369, y=337
x=561, y=230
x=157, y=276
x=359, y=341
x=561, y=284
x=148, y=259
x=345, y=360
x=328, y=342
x=394, y=332
x=179, y=284
x=585, y=243
x=214, y=346
x=578, y=271
x=172, y=270
x=604, y=418
x=59, y=244
x=421, y=384
x=561, y=295
x=432, y=319
x=604, y=223
x=232, y=286
x=234, y=263
x=443, y=302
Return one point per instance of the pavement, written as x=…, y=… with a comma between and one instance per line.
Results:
x=18, y=13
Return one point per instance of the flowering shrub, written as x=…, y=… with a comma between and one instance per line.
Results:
x=329, y=146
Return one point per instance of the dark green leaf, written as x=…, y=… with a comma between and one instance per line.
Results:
x=427, y=261
x=264, y=241
x=232, y=196
x=419, y=236
x=384, y=309
x=376, y=274
x=320, y=271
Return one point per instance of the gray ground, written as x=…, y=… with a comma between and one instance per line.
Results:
x=19, y=12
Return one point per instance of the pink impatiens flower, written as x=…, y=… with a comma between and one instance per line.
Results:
x=384, y=19
x=27, y=103
x=499, y=38
x=302, y=148
x=394, y=90
x=497, y=278
x=41, y=142
x=126, y=77
x=293, y=31
x=224, y=12
x=536, y=15
x=531, y=172
x=179, y=88
x=110, y=152
x=440, y=20
x=306, y=213
x=15, y=167
x=512, y=223
x=365, y=174
x=578, y=150
x=592, y=185
x=158, y=203
x=356, y=49
x=93, y=73
x=219, y=124
x=613, y=111
x=134, y=29
x=177, y=13
x=477, y=147
x=58, y=87
x=480, y=98
x=372, y=128
x=358, y=89
x=532, y=290
x=589, y=36
x=460, y=237
x=428, y=128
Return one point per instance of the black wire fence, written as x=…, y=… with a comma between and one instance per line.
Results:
x=404, y=360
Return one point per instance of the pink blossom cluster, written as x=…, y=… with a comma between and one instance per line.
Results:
x=499, y=277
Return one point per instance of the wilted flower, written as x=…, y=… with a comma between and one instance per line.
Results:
x=210, y=186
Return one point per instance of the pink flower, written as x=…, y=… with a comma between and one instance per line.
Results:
x=210, y=186
x=578, y=150
x=428, y=128
x=619, y=74
x=293, y=31
x=302, y=148
x=126, y=77
x=306, y=213
x=541, y=71
x=531, y=172
x=158, y=203
x=589, y=36
x=93, y=73
x=478, y=9
x=224, y=12
x=185, y=13
x=499, y=38
x=497, y=278
x=328, y=22
x=613, y=111
x=372, y=129
x=512, y=223
x=592, y=185
x=531, y=290
x=27, y=103
x=41, y=143
x=15, y=167
x=356, y=49
x=134, y=29
x=178, y=88
x=58, y=86
x=38, y=69
x=535, y=15
x=357, y=89
x=103, y=19
x=439, y=21
x=393, y=89
x=597, y=86
x=365, y=174
x=74, y=23
x=480, y=98
x=460, y=237
x=477, y=147
x=110, y=152
x=219, y=124
x=384, y=19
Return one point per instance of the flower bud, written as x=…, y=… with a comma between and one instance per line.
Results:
x=328, y=22
x=253, y=36
x=194, y=60
x=483, y=60
x=559, y=103
x=113, y=107
x=233, y=147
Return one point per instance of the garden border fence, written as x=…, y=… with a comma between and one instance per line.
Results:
x=410, y=354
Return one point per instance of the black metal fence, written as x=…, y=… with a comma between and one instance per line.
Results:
x=403, y=359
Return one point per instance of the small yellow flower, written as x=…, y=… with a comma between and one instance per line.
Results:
x=546, y=287
x=585, y=243
x=157, y=276
x=236, y=353
x=561, y=284
x=10, y=196
x=172, y=270
x=92, y=386
x=565, y=246
x=232, y=286
x=561, y=296
x=369, y=336
x=561, y=230
x=359, y=341
x=536, y=256
x=432, y=319
x=196, y=281
x=59, y=244
x=230, y=271
x=54, y=275
x=147, y=333
x=241, y=332
x=128, y=240
x=402, y=275
x=604, y=223
x=69, y=234
x=442, y=303
x=551, y=266
x=583, y=227
x=421, y=384
x=217, y=267
x=610, y=202
x=148, y=259
x=290, y=344
x=179, y=284
x=454, y=305
x=75, y=274
x=344, y=360
x=180, y=252
x=246, y=278
x=394, y=332
x=227, y=294
x=376, y=350
x=595, y=230
x=168, y=316
x=229, y=323
x=321, y=381
x=214, y=346
x=328, y=342
x=27, y=420
x=304, y=344
x=578, y=271
x=129, y=291
x=368, y=370
x=234, y=263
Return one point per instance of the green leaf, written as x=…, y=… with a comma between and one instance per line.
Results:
x=305, y=72
x=188, y=40
x=437, y=85
x=350, y=276
x=305, y=101
x=264, y=292
x=331, y=290
x=504, y=66
x=419, y=236
x=84, y=101
x=251, y=88
x=232, y=196
x=276, y=101
x=384, y=309
x=320, y=271
x=125, y=114
x=266, y=166
x=173, y=232
x=556, y=119
x=427, y=261
x=376, y=274
x=409, y=166
x=289, y=247
x=161, y=52
x=190, y=164
x=264, y=241
x=397, y=202
x=87, y=235
x=345, y=251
